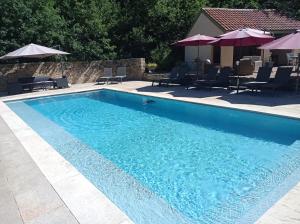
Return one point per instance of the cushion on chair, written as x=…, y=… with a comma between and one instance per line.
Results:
x=245, y=67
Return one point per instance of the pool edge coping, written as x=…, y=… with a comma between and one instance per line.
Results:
x=98, y=207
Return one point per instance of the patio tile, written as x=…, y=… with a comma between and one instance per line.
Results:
x=61, y=215
x=9, y=212
x=24, y=180
x=10, y=146
x=15, y=159
x=37, y=202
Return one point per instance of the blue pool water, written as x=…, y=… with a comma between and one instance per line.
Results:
x=164, y=161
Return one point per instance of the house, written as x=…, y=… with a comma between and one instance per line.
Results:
x=217, y=21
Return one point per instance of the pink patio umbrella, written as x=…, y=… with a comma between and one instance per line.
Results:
x=242, y=38
x=196, y=40
x=288, y=42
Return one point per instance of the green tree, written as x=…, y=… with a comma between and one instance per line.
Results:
x=15, y=16
x=170, y=21
x=87, y=28
x=45, y=26
x=290, y=8
x=24, y=22
x=235, y=4
x=131, y=34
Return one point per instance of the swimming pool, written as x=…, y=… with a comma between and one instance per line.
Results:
x=165, y=161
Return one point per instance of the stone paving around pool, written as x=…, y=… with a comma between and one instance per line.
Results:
x=38, y=186
x=26, y=195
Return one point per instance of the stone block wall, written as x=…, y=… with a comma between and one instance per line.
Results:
x=77, y=71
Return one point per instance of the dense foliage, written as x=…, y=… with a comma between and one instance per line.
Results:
x=107, y=29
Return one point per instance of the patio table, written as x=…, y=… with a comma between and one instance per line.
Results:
x=43, y=84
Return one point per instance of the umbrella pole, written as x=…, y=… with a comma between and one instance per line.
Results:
x=238, y=76
x=61, y=63
x=6, y=79
x=61, y=66
x=198, y=62
x=297, y=80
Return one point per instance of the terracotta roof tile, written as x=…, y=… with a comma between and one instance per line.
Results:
x=269, y=20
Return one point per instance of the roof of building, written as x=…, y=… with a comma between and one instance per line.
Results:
x=269, y=20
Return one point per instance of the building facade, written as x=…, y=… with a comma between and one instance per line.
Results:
x=217, y=21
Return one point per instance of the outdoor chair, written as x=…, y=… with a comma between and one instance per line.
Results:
x=61, y=83
x=222, y=79
x=262, y=77
x=121, y=73
x=26, y=82
x=176, y=76
x=290, y=58
x=210, y=76
x=268, y=64
x=170, y=75
x=282, y=78
x=14, y=88
x=245, y=67
x=107, y=76
x=256, y=61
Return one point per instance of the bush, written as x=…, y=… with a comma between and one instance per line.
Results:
x=167, y=57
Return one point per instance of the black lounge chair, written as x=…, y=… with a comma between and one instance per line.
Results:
x=14, y=88
x=210, y=76
x=61, y=83
x=262, y=78
x=221, y=80
x=282, y=78
x=176, y=76
x=173, y=74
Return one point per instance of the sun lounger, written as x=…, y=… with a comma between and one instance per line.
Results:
x=221, y=80
x=107, y=76
x=121, y=74
x=172, y=75
x=176, y=76
x=282, y=78
x=262, y=78
x=210, y=76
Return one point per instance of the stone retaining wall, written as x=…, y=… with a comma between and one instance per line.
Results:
x=77, y=72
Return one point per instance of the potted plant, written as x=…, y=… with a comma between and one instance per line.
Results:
x=151, y=67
